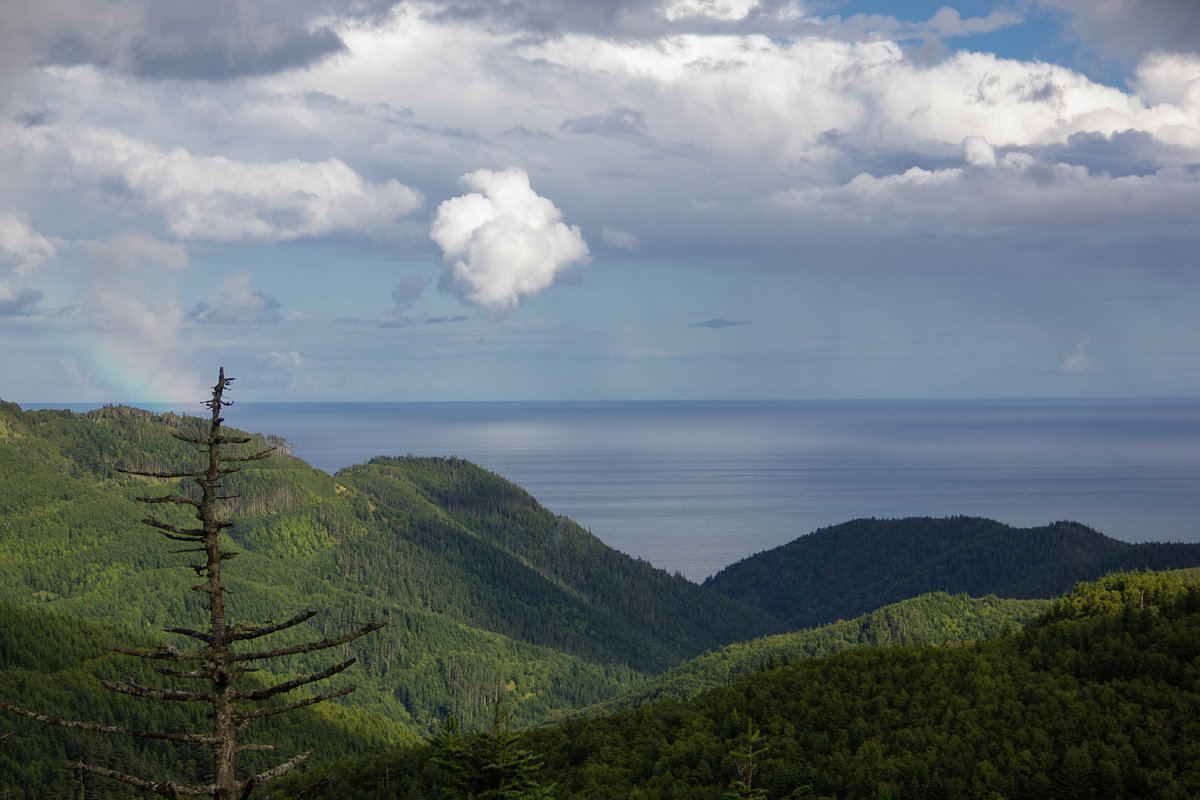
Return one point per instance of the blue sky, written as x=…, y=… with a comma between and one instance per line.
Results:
x=621, y=199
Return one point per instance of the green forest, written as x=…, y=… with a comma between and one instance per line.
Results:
x=881, y=658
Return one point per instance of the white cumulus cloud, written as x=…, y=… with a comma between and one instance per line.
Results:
x=215, y=198
x=505, y=241
x=714, y=9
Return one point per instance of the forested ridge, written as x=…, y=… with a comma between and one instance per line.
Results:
x=1096, y=699
x=489, y=596
x=931, y=619
x=873, y=562
x=489, y=589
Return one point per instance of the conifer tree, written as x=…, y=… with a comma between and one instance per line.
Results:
x=216, y=666
x=487, y=765
x=742, y=787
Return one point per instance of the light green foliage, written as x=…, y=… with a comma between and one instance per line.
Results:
x=469, y=601
x=937, y=618
x=1126, y=591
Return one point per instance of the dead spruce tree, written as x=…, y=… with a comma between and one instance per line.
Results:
x=216, y=665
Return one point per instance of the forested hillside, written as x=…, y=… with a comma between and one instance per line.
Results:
x=490, y=595
x=464, y=541
x=54, y=663
x=472, y=604
x=930, y=619
x=1096, y=700
x=849, y=569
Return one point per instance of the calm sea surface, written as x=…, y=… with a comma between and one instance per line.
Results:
x=694, y=486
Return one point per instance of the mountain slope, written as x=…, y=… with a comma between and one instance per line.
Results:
x=1095, y=699
x=937, y=618
x=54, y=663
x=472, y=603
x=493, y=533
x=852, y=568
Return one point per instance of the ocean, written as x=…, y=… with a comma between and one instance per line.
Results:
x=694, y=486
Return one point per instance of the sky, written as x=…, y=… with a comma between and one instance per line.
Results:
x=610, y=199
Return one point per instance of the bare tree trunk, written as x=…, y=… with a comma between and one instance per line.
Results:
x=216, y=662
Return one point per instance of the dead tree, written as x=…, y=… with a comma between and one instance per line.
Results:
x=215, y=665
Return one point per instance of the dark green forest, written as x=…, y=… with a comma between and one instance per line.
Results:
x=1096, y=699
x=606, y=671
x=874, y=562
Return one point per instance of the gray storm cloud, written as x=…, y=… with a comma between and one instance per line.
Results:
x=505, y=241
x=1128, y=27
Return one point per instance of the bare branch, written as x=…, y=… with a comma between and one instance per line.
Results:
x=166, y=653
x=190, y=533
x=307, y=701
x=171, y=498
x=242, y=631
x=144, y=474
x=179, y=673
x=311, y=646
x=204, y=637
x=158, y=694
x=247, y=786
x=175, y=538
x=260, y=455
x=92, y=726
x=165, y=788
x=287, y=686
x=209, y=441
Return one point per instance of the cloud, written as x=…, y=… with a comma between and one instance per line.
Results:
x=215, y=198
x=717, y=323
x=1077, y=361
x=992, y=194
x=617, y=123
x=236, y=304
x=1171, y=79
x=213, y=41
x=135, y=253
x=21, y=247
x=649, y=19
x=726, y=10
x=978, y=153
x=506, y=241
x=16, y=302
x=408, y=291
x=134, y=316
x=1129, y=27
x=618, y=239
x=288, y=361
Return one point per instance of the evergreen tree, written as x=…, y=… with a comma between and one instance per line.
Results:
x=216, y=665
x=487, y=765
x=742, y=787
